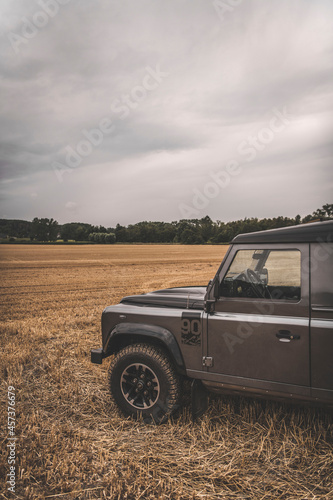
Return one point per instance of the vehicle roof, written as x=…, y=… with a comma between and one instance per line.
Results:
x=303, y=233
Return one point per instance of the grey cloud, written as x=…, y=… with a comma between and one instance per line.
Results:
x=223, y=81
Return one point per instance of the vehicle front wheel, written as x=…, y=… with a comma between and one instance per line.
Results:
x=144, y=383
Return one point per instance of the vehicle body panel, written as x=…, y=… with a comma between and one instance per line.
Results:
x=146, y=321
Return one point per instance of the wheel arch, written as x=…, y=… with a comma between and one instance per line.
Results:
x=126, y=334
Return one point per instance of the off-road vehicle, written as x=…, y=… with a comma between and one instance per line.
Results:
x=262, y=327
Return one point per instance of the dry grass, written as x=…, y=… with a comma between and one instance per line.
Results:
x=73, y=444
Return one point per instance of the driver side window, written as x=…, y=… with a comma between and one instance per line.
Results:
x=264, y=274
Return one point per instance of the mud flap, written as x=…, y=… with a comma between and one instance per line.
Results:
x=199, y=399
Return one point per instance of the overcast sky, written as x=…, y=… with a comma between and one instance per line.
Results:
x=123, y=111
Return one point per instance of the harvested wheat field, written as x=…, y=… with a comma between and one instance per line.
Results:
x=71, y=441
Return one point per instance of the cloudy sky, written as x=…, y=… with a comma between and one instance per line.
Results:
x=160, y=110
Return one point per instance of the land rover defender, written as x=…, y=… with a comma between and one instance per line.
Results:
x=263, y=326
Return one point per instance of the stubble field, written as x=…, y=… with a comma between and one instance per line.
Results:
x=71, y=441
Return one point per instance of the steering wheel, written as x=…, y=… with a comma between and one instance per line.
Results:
x=254, y=279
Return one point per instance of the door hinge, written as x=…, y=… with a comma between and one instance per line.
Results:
x=207, y=361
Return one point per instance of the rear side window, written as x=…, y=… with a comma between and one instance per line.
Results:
x=265, y=274
x=322, y=274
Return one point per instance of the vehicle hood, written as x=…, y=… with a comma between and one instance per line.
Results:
x=191, y=297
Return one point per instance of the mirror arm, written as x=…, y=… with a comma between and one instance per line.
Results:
x=209, y=305
x=212, y=291
x=216, y=289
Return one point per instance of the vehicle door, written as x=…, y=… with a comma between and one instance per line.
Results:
x=258, y=333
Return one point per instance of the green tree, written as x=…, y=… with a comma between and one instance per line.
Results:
x=121, y=233
x=66, y=232
x=44, y=229
x=102, y=237
x=324, y=212
x=110, y=238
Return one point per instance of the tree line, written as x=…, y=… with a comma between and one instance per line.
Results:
x=185, y=231
x=45, y=229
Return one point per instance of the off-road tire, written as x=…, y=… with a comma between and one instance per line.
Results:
x=143, y=369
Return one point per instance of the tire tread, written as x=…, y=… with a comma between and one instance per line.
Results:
x=158, y=356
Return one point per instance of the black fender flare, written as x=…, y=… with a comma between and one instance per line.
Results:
x=125, y=333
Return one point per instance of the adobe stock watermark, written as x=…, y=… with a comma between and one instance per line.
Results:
x=319, y=253
x=248, y=148
x=122, y=107
x=31, y=27
x=247, y=327
x=225, y=7
x=11, y=445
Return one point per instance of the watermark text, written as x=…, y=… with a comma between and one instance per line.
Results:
x=11, y=445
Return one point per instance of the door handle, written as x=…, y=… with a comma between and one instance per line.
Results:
x=286, y=336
